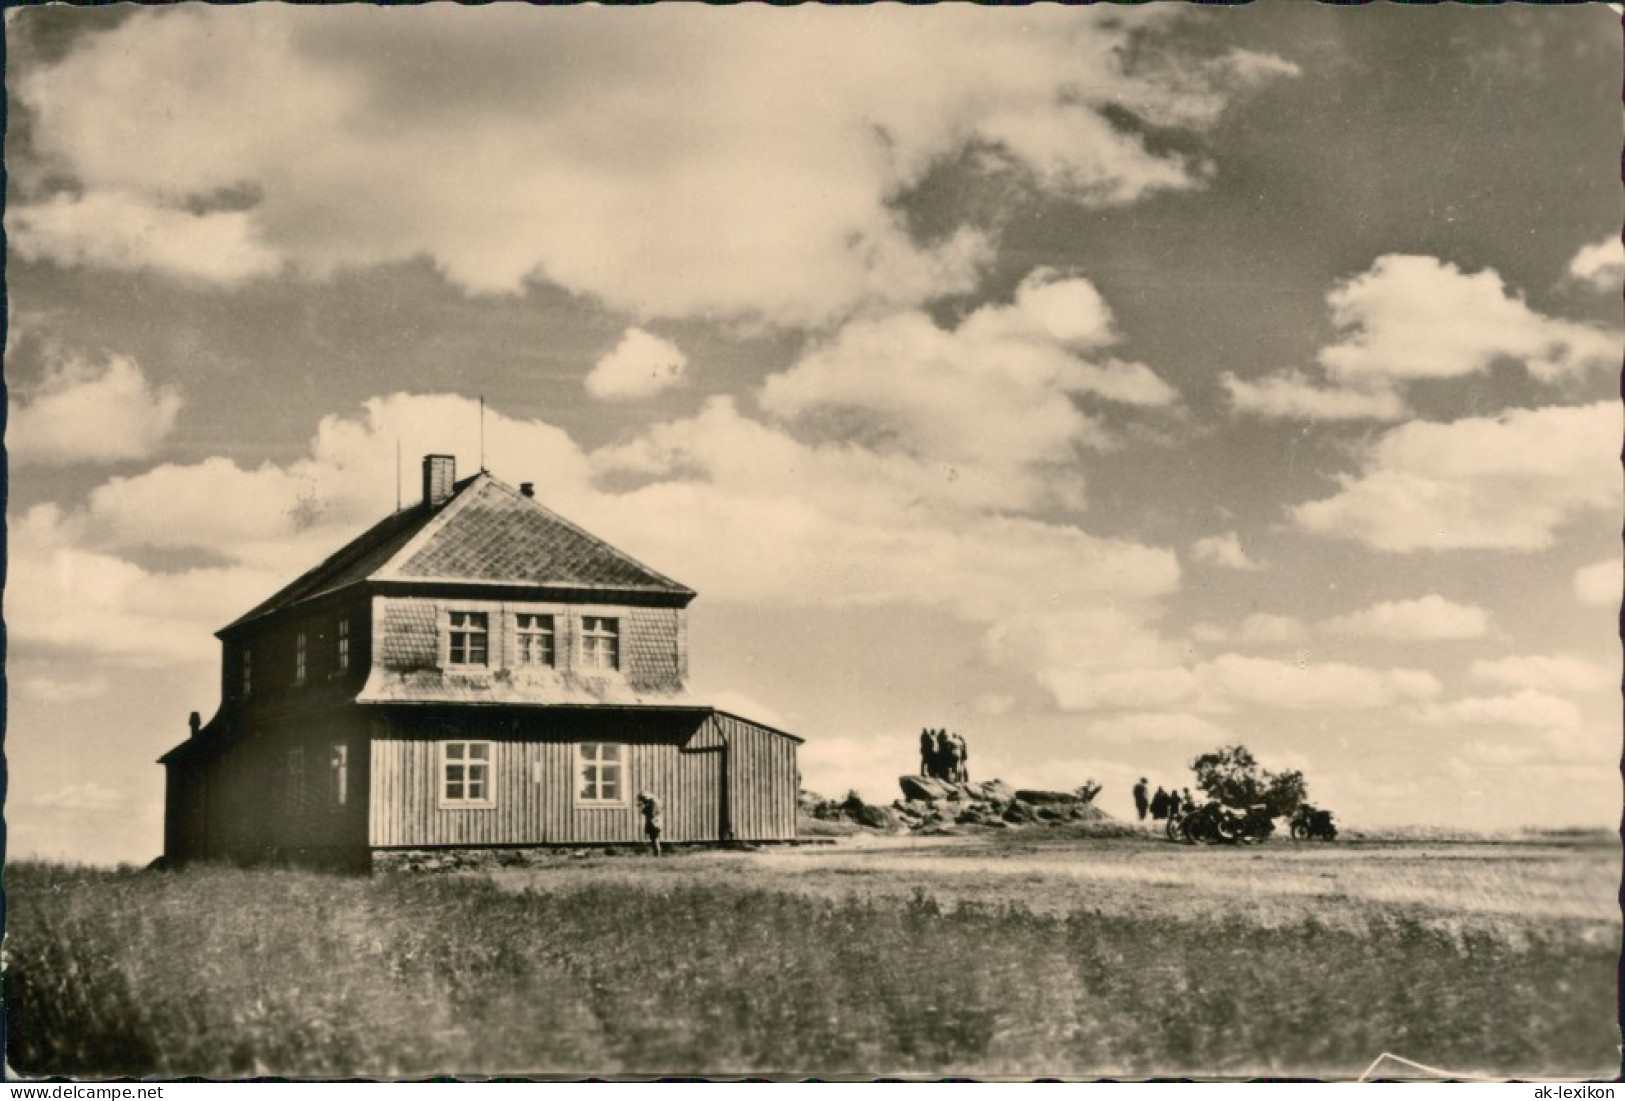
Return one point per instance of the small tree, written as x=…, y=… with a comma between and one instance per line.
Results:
x=1284, y=792
x=1231, y=775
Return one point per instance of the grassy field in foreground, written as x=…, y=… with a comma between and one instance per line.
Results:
x=220, y=972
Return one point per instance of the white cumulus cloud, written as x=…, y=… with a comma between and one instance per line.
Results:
x=1234, y=679
x=1418, y=317
x=767, y=188
x=640, y=365
x=118, y=230
x=84, y=413
x=1262, y=627
x=991, y=401
x=1602, y=265
x=1409, y=318
x=1430, y=618
x=1508, y=482
x=1529, y=708
x=1599, y=583
x=1302, y=685
x=1294, y=396
x=1551, y=673
x=1222, y=550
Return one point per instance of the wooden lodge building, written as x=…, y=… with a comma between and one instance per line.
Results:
x=473, y=671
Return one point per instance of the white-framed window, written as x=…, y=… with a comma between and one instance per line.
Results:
x=599, y=772
x=600, y=642
x=299, y=658
x=248, y=671
x=344, y=646
x=535, y=635
x=338, y=775
x=295, y=786
x=470, y=638
x=465, y=774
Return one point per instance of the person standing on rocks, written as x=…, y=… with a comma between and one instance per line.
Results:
x=649, y=807
x=928, y=752
x=942, y=759
x=961, y=758
x=1141, y=802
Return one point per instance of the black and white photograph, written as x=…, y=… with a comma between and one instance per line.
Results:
x=839, y=542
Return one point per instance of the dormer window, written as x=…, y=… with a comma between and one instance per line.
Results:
x=535, y=635
x=470, y=638
x=600, y=642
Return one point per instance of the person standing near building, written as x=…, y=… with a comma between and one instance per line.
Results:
x=1142, y=801
x=649, y=807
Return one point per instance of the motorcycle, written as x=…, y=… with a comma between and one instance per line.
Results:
x=1202, y=825
x=1311, y=822
x=1213, y=823
x=1250, y=826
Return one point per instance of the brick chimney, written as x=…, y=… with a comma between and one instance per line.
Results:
x=439, y=474
x=527, y=489
x=194, y=722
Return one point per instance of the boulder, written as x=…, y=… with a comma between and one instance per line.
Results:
x=930, y=805
x=875, y=818
x=923, y=788
x=994, y=791
x=1037, y=797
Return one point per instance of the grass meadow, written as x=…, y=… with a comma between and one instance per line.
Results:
x=800, y=964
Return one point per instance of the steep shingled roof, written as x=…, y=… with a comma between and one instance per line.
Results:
x=486, y=532
x=491, y=532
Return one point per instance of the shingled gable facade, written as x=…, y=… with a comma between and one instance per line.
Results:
x=473, y=671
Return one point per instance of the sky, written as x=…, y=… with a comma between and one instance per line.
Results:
x=1107, y=385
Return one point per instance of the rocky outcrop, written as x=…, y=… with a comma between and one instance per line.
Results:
x=937, y=805
x=852, y=810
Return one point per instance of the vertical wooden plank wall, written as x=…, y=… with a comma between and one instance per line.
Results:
x=763, y=780
x=533, y=770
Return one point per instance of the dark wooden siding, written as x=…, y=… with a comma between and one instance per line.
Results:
x=679, y=757
x=244, y=803
x=763, y=779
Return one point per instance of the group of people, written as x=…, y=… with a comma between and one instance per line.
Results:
x=1164, y=804
x=943, y=756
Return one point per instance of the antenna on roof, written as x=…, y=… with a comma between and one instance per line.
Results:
x=397, y=473
x=482, y=433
